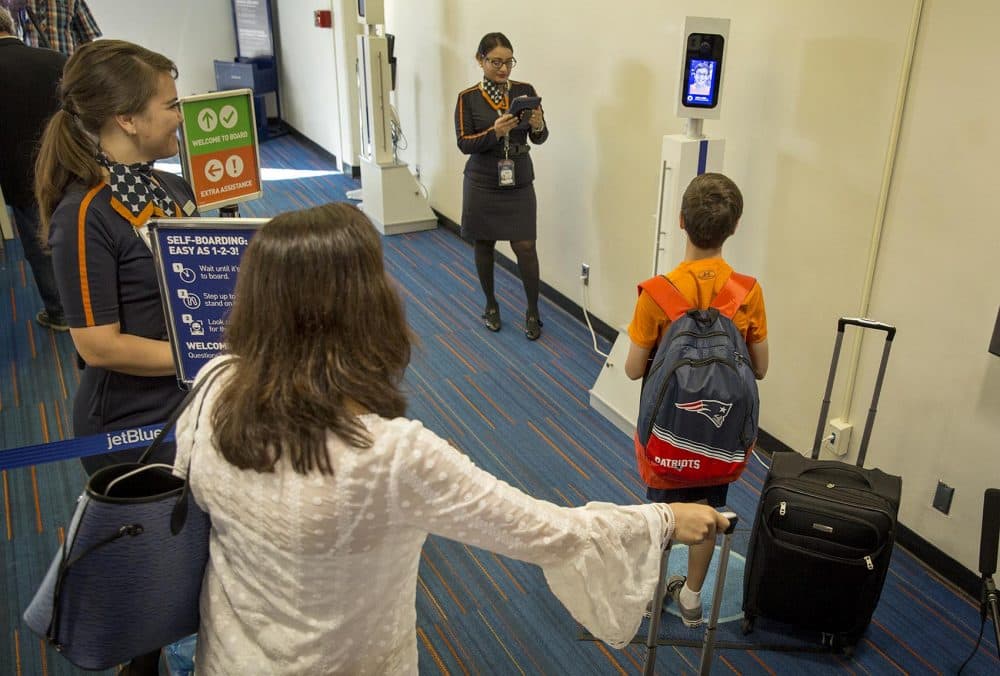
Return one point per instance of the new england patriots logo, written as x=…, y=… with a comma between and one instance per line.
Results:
x=714, y=410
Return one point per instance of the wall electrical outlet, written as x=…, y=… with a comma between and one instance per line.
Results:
x=585, y=273
x=943, y=495
x=837, y=437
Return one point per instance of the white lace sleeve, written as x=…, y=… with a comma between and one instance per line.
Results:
x=600, y=560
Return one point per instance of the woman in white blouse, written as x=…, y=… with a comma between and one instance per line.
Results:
x=321, y=495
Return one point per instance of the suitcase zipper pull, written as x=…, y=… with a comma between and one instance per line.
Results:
x=782, y=507
x=868, y=560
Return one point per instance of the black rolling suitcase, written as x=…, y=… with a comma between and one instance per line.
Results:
x=823, y=534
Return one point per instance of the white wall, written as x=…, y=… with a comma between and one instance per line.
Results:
x=192, y=34
x=810, y=102
x=937, y=280
x=809, y=97
x=308, y=77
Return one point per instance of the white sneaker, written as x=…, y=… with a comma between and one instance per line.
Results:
x=692, y=617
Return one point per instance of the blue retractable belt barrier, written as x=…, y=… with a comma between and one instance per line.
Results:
x=106, y=442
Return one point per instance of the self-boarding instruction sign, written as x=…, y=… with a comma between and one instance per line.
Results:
x=220, y=153
x=197, y=260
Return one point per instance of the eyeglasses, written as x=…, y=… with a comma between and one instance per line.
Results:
x=496, y=63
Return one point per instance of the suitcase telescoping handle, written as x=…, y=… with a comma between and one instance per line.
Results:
x=720, y=583
x=890, y=333
x=661, y=591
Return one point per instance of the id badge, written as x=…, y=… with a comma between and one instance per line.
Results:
x=505, y=170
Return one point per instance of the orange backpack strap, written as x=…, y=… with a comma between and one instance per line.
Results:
x=733, y=293
x=666, y=295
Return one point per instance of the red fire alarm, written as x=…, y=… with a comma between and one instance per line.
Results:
x=323, y=18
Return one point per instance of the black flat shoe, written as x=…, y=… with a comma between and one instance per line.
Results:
x=532, y=327
x=491, y=318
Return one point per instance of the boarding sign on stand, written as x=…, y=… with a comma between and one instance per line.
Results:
x=197, y=260
x=220, y=153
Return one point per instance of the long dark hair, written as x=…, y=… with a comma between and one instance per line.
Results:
x=102, y=79
x=490, y=42
x=318, y=330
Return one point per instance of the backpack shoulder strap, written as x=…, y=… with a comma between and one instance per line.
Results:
x=666, y=295
x=733, y=293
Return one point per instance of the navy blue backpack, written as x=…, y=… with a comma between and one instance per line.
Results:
x=699, y=408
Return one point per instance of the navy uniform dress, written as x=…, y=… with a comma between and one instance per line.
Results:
x=105, y=274
x=489, y=211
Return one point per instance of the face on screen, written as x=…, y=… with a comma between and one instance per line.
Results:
x=701, y=82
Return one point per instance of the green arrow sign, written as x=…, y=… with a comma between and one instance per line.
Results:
x=218, y=124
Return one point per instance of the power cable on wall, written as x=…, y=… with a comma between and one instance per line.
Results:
x=883, y=199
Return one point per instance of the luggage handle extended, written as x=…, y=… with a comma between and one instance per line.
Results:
x=861, y=322
x=866, y=324
x=661, y=591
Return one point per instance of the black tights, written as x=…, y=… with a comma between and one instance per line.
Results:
x=527, y=263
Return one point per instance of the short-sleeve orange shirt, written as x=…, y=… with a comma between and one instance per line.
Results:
x=699, y=281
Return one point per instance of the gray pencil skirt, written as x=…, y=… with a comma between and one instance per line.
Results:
x=492, y=212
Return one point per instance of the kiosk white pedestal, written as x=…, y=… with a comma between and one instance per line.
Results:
x=393, y=200
x=390, y=194
x=614, y=395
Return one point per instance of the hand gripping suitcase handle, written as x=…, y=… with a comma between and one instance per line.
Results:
x=866, y=324
x=652, y=631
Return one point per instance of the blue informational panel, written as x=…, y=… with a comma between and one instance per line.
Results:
x=254, y=33
x=197, y=260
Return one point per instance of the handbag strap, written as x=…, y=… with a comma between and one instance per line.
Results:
x=179, y=514
x=179, y=409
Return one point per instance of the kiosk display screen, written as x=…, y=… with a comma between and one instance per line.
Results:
x=702, y=74
x=703, y=83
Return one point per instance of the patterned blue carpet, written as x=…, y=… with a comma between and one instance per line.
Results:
x=520, y=410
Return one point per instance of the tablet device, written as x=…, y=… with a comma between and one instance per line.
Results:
x=524, y=103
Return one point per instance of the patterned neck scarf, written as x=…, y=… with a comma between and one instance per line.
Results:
x=134, y=186
x=494, y=91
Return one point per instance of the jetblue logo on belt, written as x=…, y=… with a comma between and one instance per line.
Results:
x=129, y=438
x=714, y=410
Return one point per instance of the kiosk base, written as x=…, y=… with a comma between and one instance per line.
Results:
x=393, y=200
x=614, y=395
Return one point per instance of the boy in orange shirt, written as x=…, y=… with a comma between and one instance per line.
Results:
x=710, y=211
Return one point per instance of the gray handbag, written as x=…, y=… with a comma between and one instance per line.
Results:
x=127, y=579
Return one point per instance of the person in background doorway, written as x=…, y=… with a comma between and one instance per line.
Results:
x=498, y=195
x=30, y=81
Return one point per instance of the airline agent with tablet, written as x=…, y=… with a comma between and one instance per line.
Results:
x=494, y=121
